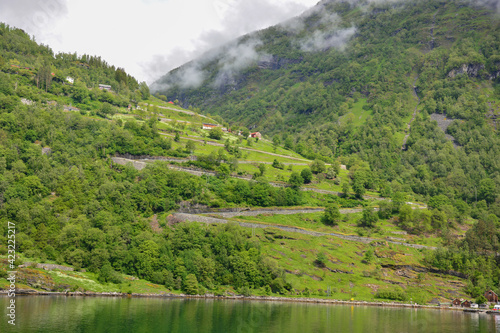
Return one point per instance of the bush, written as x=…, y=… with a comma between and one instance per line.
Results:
x=245, y=291
x=321, y=260
x=330, y=173
x=215, y=133
x=395, y=295
x=318, y=166
x=279, y=285
x=191, y=284
x=107, y=274
x=369, y=256
x=295, y=180
x=106, y=110
x=278, y=165
x=306, y=175
x=481, y=300
x=369, y=218
x=332, y=215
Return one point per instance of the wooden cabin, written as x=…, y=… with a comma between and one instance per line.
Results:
x=491, y=296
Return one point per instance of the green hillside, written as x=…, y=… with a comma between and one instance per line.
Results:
x=338, y=83
x=113, y=183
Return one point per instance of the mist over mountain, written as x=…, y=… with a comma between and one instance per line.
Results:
x=370, y=80
x=331, y=29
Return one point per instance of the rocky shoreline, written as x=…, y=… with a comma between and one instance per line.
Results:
x=30, y=292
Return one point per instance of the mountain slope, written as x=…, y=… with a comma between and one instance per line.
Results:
x=339, y=80
x=71, y=205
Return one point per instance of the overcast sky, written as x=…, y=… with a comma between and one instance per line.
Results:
x=146, y=37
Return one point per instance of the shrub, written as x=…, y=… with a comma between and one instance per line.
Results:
x=332, y=215
x=481, y=300
x=321, y=260
x=394, y=294
x=369, y=218
x=191, y=284
x=278, y=165
x=306, y=175
x=318, y=166
x=215, y=133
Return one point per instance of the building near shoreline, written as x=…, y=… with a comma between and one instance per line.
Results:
x=491, y=296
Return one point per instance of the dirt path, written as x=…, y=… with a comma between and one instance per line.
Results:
x=212, y=143
x=180, y=111
x=139, y=165
x=366, y=240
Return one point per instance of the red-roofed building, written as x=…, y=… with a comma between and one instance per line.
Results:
x=255, y=135
x=170, y=102
x=209, y=126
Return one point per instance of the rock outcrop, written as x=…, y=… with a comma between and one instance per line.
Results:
x=471, y=70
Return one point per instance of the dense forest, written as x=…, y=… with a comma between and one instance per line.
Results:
x=353, y=97
x=72, y=205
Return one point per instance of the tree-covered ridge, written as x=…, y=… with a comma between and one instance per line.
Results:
x=356, y=97
x=37, y=67
x=71, y=204
x=74, y=206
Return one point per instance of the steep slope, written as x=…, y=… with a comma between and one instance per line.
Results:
x=307, y=67
x=339, y=80
x=71, y=205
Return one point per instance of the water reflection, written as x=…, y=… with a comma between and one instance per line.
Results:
x=61, y=314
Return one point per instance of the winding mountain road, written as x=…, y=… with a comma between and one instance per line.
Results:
x=366, y=240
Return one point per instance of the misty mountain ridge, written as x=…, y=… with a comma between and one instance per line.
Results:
x=318, y=29
x=249, y=50
x=364, y=79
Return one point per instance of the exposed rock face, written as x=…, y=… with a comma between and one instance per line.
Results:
x=468, y=69
x=443, y=123
x=275, y=63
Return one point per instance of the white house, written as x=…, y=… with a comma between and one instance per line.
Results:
x=105, y=87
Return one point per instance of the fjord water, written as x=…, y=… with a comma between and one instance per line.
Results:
x=99, y=314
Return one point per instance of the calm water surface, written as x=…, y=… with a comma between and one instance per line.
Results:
x=72, y=314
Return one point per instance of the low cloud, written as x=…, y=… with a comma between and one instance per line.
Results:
x=328, y=34
x=236, y=57
x=237, y=18
x=188, y=76
x=322, y=40
x=492, y=4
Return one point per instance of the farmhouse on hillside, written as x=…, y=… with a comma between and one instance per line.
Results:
x=255, y=135
x=105, y=87
x=209, y=126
